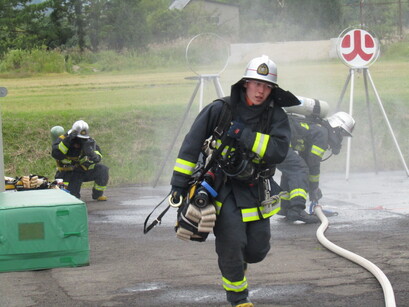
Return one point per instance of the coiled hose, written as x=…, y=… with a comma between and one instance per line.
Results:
x=383, y=280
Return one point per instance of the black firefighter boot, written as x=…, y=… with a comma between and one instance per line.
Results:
x=98, y=195
x=299, y=214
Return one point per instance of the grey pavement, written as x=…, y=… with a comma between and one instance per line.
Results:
x=129, y=268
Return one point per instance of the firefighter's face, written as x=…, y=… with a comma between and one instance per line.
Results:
x=257, y=91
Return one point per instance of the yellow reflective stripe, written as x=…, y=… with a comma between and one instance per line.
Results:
x=252, y=214
x=298, y=193
x=315, y=150
x=314, y=178
x=63, y=148
x=65, y=168
x=99, y=187
x=184, y=167
x=260, y=144
x=235, y=286
x=98, y=153
x=305, y=125
x=218, y=206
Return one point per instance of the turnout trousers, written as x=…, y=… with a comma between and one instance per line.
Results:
x=99, y=174
x=294, y=179
x=238, y=243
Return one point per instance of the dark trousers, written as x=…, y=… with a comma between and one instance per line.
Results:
x=99, y=174
x=294, y=176
x=239, y=243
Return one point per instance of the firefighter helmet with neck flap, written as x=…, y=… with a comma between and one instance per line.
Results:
x=261, y=68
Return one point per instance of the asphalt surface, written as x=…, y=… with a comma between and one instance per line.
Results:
x=128, y=268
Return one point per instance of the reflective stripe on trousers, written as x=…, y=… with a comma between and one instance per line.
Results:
x=257, y=213
x=236, y=286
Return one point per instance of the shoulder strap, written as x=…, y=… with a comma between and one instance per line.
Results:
x=225, y=117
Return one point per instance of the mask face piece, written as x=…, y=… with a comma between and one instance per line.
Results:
x=335, y=140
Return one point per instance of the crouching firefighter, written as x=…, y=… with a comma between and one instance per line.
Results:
x=78, y=158
x=245, y=135
x=312, y=137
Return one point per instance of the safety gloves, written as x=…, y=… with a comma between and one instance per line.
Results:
x=70, y=137
x=88, y=147
x=235, y=130
x=177, y=193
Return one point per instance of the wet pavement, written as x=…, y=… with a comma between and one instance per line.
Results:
x=128, y=268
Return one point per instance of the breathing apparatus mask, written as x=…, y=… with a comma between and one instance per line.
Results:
x=237, y=164
x=339, y=125
x=335, y=137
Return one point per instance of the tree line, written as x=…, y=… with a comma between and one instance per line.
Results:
x=135, y=24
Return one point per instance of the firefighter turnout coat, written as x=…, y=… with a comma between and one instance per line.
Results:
x=270, y=147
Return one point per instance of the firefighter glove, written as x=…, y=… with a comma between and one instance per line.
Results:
x=88, y=147
x=176, y=193
x=95, y=157
x=69, y=138
x=235, y=130
x=73, y=134
x=315, y=194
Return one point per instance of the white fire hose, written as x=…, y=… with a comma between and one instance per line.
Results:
x=383, y=280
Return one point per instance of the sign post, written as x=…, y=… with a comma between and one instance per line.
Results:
x=358, y=49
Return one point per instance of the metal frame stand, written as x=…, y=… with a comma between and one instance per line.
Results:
x=350, y=79
x=201, y=79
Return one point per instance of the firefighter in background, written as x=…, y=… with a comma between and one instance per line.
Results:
x=78, y=160
x=311, y=138
x=258, y=135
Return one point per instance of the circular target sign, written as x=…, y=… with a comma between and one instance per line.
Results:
x=207, y=53
x=357, y=48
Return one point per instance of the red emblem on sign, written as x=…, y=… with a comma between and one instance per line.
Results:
x=358, y=48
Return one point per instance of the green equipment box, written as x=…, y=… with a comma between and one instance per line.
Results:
x=42, y=229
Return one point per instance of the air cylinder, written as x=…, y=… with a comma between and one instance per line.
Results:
x=310, y=107
x=55, y=132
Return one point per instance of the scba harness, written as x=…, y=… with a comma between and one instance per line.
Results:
x=222, y=157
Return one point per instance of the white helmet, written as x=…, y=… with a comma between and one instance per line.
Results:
x=261, y=68
x=342, y=120
x=82, y=128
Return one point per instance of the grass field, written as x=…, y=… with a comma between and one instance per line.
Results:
x=134, y=117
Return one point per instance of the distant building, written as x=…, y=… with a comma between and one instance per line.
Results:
x=222, y=14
